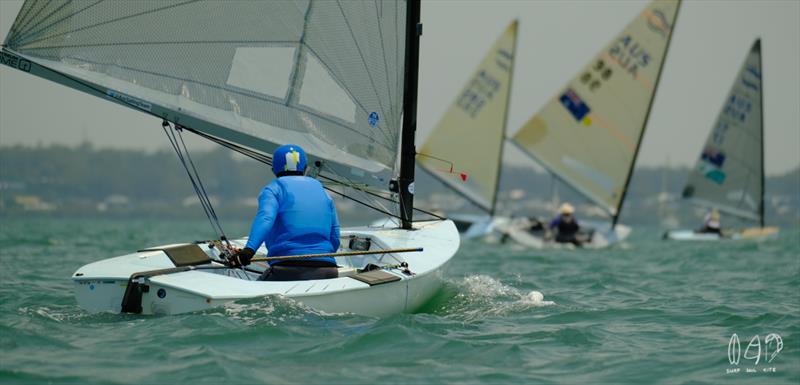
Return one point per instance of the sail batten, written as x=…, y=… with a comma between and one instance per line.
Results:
x=320, y=73
x=590, y=132
x=729, y=175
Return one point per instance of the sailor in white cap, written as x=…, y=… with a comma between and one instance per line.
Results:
x=565, y=226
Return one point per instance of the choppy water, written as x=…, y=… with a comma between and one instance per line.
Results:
x=652, y=312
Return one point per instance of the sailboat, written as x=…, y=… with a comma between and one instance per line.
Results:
x=336, y=78
x=464, y=150
x=729, y=176
x=589, y=134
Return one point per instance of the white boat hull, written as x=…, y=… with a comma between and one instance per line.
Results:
x=101, y=286
x=753, y=233
x=474, y=226
x=469, y=226
x=517, y=231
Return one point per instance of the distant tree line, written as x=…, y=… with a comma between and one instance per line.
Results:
x=65, y=175
x=59, y=173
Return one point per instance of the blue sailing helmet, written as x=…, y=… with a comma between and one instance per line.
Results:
x=289, y=159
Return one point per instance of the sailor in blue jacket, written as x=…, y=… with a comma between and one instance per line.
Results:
x=295, y=216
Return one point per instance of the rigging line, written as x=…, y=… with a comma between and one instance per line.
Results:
x=376, y=195
x=268, y=160
x=200, y=182
x=265, y=159
x=356, y=187
x=174, y=144
x=23, y=34
x=202, y=197
x=351, y=184
x=113, y=20
x=378, y=209
x=364, y=188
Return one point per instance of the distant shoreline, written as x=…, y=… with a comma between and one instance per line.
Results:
x=87, y=182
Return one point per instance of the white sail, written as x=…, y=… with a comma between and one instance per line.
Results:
x=465, y=149
x=589, y=133
x=730, y=172
x=326, y=75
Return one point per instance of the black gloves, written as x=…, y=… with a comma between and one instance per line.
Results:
x=242, y=257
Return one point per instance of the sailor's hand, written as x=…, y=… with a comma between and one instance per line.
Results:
x=241, y=257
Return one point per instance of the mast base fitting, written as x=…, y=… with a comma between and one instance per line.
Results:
x=394, y=186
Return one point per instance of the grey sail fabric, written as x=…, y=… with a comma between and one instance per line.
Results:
x=729, y=174
x=326, y=75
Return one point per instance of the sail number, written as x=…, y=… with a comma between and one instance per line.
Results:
x=483, y=86
x=738, y=108
x=599, y=72
x=480, y=90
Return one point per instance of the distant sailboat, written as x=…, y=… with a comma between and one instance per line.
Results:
x=589, y=134
x=337, y=78
x=465, y=149
x=729, y=176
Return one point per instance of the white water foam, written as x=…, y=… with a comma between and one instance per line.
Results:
x=482, y=295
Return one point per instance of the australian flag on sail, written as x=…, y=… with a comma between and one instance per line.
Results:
x=713, y=156
x=574, y=104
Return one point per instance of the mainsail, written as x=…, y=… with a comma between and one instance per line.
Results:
x=326, y=75
x=475, y=122
x=730, y=172
x=589, y=133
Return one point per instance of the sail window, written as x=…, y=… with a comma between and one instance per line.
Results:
x=265, y=70
x=322, y=93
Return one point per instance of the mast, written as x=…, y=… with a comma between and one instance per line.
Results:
x=646, y=118
x=761, y=102
x=408, y=151
x=493, y=207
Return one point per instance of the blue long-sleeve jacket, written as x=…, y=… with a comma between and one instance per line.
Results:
x=295, y=216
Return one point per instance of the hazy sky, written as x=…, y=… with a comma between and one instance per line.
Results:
x=556, y=39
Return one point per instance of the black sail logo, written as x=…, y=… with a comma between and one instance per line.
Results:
x=14, y=61
x=657, y=22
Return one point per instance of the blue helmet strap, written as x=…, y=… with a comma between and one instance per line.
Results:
x=288, y=173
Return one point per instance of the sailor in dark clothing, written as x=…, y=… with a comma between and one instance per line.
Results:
x=565, y=226
x=711, y=223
